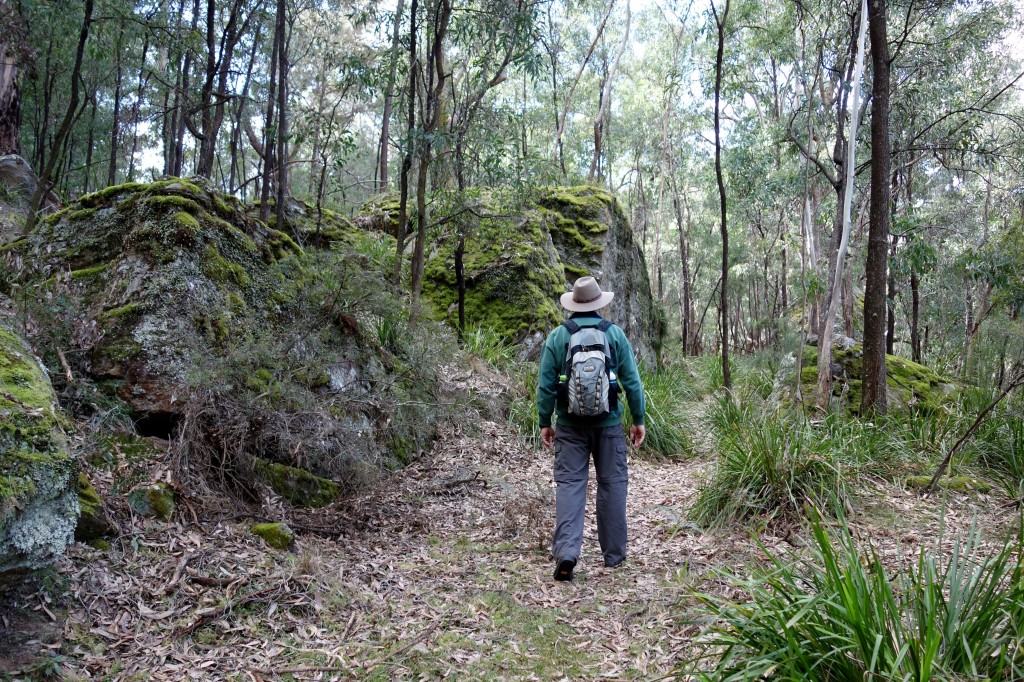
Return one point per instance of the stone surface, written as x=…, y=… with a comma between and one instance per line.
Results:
x=298, y=486
x=38, y=496
x=93, y=522
x=521, y=255
x=276, y=535
x=155, y=501
x=910, y=385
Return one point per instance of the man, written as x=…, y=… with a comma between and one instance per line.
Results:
x=579, y=437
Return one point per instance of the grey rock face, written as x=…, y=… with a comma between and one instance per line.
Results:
x=38, y=493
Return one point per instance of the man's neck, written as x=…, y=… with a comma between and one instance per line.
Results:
x=592, y=313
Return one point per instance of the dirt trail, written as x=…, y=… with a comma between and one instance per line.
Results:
x=441, y=571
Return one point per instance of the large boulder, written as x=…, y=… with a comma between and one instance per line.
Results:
x=18, y=184
x=521, y=255
x=173, y=298
x=38, y=478
x=155, y=275
x=910, y=385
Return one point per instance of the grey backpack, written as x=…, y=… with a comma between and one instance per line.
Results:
x=588, y=385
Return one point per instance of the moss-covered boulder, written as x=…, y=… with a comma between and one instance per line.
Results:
x=38, y=500
x=155, y=501
x=298, y=486
x=93, y=522
x=910, y=385
x=276, y=535
x=147, y=276
x=522, y=253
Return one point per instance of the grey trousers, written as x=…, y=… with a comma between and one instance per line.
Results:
x=573, y=448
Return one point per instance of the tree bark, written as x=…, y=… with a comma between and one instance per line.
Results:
x=724, y=228
x=282, y=114
x=873, y=398
x=606, y=97
x=115, y=127
x=10, y=98
x=46, y=177
x=396, y=36
x=269, y=131
x=403, y=179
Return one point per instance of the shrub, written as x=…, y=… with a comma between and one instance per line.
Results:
x=668, y=432
x=840, y=614
x=766, y=466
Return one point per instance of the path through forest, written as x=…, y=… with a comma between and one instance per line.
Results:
x=441, y=571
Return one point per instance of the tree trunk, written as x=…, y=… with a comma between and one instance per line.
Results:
x=10, y=100
x=115, y=128
x=46, y=177
x=915, y=317
x=403, y=179
x=282, y=115
x=720, y=21
x=269, y=131
x=382, y=177
x=137, y=113
x=604, y=106
x=873, y=399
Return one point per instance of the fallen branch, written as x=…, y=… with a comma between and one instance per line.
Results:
x=1017, y=381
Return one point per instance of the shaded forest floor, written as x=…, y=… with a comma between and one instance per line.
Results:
x=441, y=571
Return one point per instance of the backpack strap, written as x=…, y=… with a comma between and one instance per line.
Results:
x=572, y=326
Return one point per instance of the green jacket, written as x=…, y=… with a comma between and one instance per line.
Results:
x=552, y=359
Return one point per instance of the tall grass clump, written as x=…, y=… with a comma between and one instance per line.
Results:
x=487, y=344
x=840, y=615
x=522, y=411
x=666, y=393
x=767, y=465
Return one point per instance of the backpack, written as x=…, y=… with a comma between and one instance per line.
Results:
x=588, y=386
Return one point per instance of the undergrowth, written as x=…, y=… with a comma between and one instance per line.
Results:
x=840, y=614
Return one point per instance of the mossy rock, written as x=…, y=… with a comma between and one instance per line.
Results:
x=298, y=486
x=963, y=484
x=525, y=252
x=164, y=270
x=93, y=522
x=155, y=501
x=276, y=535
x=909, y=385
x=38, y=501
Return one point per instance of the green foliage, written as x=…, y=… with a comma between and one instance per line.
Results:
x=840, y=614
x=489, y=345
x=522, y=411
x=667, y=392
x=766, y=466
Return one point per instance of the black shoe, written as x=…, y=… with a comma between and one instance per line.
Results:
x=615, y=565
x=563, y=571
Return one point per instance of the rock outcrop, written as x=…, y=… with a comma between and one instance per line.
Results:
x=521, y=255
x=171, y=293
x=38, y=478
x=910, y=385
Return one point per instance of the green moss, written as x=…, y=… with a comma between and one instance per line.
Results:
x=100, y=544
x=277, y=535
x=221, y=270
x=88, y=499
x=123, y=313
x=155, y=501
x=26, y=397
x=171, y=202
x=962, y=484
x=92, y=519
x=299, y=487
x=908, y=383
x=11, y=246
x=188, y=228
x=81, y=214
x=103, y=196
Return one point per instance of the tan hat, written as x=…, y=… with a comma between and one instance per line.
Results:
x=586, y=295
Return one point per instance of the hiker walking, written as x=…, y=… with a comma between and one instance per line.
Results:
x=585, y=363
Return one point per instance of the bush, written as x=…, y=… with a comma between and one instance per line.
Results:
x=840, y=614
x=668, y=431
x=766, y=466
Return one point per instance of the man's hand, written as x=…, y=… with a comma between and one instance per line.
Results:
x=547, y=436
x=637, y=435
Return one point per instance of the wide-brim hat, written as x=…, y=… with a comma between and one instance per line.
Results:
x=586, y=295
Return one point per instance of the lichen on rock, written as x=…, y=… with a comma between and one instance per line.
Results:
x=276, y=535
x=38, y=501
